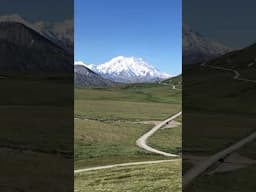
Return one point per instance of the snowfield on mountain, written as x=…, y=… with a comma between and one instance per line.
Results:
x=127, y=70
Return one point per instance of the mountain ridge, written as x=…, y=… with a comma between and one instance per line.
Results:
x=127, y=70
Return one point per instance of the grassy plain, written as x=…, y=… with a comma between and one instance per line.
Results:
x=162, y=177
x=167, y=140
x=107, y=122
x=109, y=142
x=123, y=110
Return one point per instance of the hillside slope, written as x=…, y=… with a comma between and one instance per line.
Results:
x=85, y=77
x=24, y=50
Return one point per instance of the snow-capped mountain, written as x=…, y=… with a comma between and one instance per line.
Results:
x=127, y=70
x=196, y=48
x=61, y=33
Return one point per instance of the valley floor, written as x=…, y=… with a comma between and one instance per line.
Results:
x=107, y=124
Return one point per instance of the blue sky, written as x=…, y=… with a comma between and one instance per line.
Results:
x=150, y=29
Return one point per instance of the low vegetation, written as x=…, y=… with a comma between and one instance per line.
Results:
x=123, y=110
x=162, y=177
x=108, y=142
x=168, y=140
x=150, y=93
x=108, y=121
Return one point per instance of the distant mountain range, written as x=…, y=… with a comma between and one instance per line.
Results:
x=197, y=49
x=127, y=70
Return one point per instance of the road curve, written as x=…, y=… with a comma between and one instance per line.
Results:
x=202, y=167
x=122, y=165
x=142, y=141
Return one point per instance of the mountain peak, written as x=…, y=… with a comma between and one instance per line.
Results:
x=128, y=69
x=121, y=63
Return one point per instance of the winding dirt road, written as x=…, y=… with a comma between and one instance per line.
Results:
x=123, y=165
x=142, y=141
